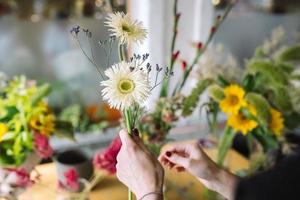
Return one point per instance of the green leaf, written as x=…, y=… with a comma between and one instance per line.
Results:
x=10, y=111
x=248, y=82
x=282, y=99
x=71, y=114
x=17, y=147
x=27, y=139
x=222, y=81
x=246, y=113
x=42, y=92
x=191, y=101
x=261, y=105
x=9, y=136
x=287, y=67
x=259, y=52
x=267, y=140
x=270, y=72
x=64, y=130
x=290, y=54
x=99, y=126
x=216, y=92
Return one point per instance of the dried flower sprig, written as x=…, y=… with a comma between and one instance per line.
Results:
x=106, y=46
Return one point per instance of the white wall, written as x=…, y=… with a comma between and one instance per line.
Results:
x=157, y=16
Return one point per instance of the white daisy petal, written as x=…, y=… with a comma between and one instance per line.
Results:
x=125, y=87
x=126, y=29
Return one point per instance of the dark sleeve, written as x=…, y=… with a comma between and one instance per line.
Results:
x=280, y=183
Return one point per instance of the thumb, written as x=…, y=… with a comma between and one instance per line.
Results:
x=125, y=138
x=179, y=160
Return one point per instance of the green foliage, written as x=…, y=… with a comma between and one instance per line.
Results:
x=216, y=92
x=191, y=101
x=71, y=114
x=248, y=82
x=290, y=54
x=272, y=73
x=64, y=129
x=41, y=93
x=282, y=99
x=222, y=81
x=265, y=138
x=22, y=107
x=261, y=105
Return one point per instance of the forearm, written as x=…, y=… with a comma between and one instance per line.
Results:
x=223, y=183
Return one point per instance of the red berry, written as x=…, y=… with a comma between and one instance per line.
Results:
x=178, y=16
x=219, y=17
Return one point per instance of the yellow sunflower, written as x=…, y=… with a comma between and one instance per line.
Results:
x=277, y=123
x=234, y=99
x=3, y=130
x=240, y=123
x=44, y=124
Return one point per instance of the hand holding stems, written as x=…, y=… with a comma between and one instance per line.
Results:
x=138, y=169
x=190, y=157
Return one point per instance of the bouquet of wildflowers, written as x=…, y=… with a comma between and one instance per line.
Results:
x=126, y=84
x=262, y=105
x=26, y=123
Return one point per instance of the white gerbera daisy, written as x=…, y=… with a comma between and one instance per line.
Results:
x=125, y=86
x=126, y=29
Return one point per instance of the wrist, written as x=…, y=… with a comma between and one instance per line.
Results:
x=152, y=196
x=225, y=184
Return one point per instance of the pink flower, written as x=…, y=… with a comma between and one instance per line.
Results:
x=107, y=159
x=21, y=177
x=42, y=147
x=72, y=179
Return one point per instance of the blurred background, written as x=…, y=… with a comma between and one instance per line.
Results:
x=35, y=40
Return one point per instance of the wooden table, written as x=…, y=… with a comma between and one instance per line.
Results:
x=111, y=189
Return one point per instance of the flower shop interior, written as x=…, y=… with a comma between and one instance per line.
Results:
x=219, y=75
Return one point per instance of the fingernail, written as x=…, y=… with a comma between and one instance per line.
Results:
x=135, y=132
x=180, y=169
x=168, y=154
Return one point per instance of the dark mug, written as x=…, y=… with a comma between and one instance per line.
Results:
x=76, y=159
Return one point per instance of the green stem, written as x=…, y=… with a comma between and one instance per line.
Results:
x=165, y=84
x=224, y=145
x=128, y=120
x=200, y=52
x=121, y=52
x=130, y=195
x=127, y=112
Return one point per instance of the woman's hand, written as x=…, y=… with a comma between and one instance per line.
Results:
x=138, y=169
x=190, y=157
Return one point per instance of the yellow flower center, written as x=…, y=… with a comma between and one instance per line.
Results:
x=126, y=28
x=126, y=86
x=233, y=99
